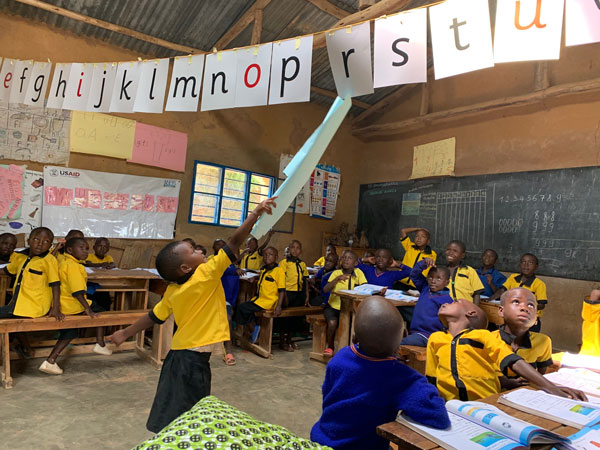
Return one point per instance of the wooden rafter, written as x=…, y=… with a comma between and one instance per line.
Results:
x=476, y=110
x=330, y=8
x=330, y=94
x=372, y=12
x=110, y=26
x=241, y=24
x=257, y=27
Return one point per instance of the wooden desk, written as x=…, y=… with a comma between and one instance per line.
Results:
x=408, y=439
x=4, y=287
x=121, y=281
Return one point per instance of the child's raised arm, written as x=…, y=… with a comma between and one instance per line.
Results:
x=331, y=285
x=406, y=231
x=416, y=274
x=242, y=232
x=267, y=240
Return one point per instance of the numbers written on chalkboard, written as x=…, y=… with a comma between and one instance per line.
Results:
x=510, y=225
x=547, y=197
x=543, y=222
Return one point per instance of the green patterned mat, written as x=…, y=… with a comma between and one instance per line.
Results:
x=213, y=424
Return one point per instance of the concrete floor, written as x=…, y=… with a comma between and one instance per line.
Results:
x=103, y=402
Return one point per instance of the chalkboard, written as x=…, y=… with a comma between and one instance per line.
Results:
x=554, y=214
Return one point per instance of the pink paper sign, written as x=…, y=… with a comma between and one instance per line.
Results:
x=159, y=147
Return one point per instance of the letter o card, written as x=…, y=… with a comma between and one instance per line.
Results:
x=291, y=71
x=253, y=72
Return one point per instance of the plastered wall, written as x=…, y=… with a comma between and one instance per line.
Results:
x=246, y=138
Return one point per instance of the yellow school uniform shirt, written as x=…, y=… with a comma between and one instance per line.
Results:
x=92, y=258
x=464, y=367
x=73, y=280
x=252, y=261
x=35, y=276
x=319, y=262
x=198, y=305
x=270, y=283
x=412, y=253
x=534, y=284
x=465, y=283
x=60, y=257
x=536, y=348
x=590, y=329
x=295, y=273
x=357, y=278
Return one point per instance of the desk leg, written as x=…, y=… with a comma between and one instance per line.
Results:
x=342, y=336
x=144, y=306
x=4, y=284
x=7, y=380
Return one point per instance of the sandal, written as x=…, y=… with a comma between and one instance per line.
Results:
x=328, y=352
x=287, y=348
x=229, y=359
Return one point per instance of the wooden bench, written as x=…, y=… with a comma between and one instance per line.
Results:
x=414, y=357
x=109, y=318
x=265, y=320
x=319, y=342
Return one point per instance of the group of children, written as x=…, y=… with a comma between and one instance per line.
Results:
x=53, y=281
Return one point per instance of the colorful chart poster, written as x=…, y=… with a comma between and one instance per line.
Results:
x=34, y=133
x=324, y=189
x=31, y=208
x=159, y=147
x=11, y=191
x=109, y=204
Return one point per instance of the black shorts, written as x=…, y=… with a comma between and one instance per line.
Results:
x=73, y=333
x=184, y=380
x=245, y=313
x=331, y=313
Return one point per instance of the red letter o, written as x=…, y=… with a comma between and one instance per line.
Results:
x=257, y=67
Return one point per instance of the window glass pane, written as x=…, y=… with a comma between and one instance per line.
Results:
x=234, y=183
x=231, y=211
x=256, y=198
x=257, y=179
x=204, y=208
x=258, y=189
x=208, y=179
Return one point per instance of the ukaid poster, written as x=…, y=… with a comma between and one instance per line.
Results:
x=109, y=204
x=324, y=188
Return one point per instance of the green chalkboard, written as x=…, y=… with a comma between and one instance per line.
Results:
x=554, y=214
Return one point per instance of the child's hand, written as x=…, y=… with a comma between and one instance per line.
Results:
x=383, y=291
x=91, y=313
x=562, y=391
x=117, y=338
x=344, y=277
x=277, y=312
x=514, y=383
x=265, y=206
x=429, y=262
x=240, y=272
x=57, y=314
x=489, y=278
x=369, y=260
x=110, y=265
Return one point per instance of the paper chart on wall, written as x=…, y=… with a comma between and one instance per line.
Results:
x=31, y=208
x=324, y=189
x=11, y=191
x=34, y=133
x=434, y=159
x=303, y=197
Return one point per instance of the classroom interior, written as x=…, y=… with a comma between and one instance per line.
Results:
x=512, y=128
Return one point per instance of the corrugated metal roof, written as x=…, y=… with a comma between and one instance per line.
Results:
x=200, y=24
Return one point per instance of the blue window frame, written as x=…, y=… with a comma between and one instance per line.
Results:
x=225, y=195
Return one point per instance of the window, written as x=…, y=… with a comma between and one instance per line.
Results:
x=224, y=195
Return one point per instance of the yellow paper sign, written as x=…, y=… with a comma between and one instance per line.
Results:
x=102, y=134
x=434, y=159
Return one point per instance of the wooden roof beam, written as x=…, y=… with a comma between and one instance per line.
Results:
x=330, y=8
x=331, y=94
x=247, y=18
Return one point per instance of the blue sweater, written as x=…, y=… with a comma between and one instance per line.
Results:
x=324, y=277
x=425, y=318
x=387, y=278
x=231, y=284
x=360, y=393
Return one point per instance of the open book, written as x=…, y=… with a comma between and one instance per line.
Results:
x=475, y=425
x=586, y=438
x=578, y=360
x=575, y=413
x=582, y=379
x=373, y=289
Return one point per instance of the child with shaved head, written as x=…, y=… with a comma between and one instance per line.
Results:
x=365, y=384
x=463, y=360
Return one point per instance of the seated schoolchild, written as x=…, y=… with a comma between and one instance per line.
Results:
x=464, y=281
x=417, y=251
x=518, y=307
x=270, y=294
x=8, y=243
x=196, y=300
x=37, y=285
x=361, y=389
x=73, y=286
x=252, y=256
x=491, y=278
x=379, y=273
x=322, y=278
x=434, y=293
x=348, y=277
x=59, y=249
x=100, y=256
x=590, y=328
x=328, y=251
x=527, y=279
x=463, y=360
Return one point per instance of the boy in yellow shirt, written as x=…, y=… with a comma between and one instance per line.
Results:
x=463, y=360
x=8, y=243
x=100, y=257
x=464, y=280
x=196, y=299
x=590, y=328
x=73, y=285
x=252, y=256
x=415, y=252
x=518, y=308
x=59, y=249
x=270, y=293
x=37, y=285
x=329, y=250
x=348, y=277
